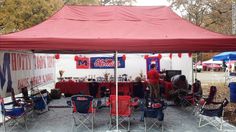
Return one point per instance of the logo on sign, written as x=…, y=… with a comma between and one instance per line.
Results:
x=106, y=62
x=83, y=63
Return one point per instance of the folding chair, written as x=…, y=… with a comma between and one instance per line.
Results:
x=12, y=115
x=194, y=97
x=154, y=114
x=209, y=115
x=40, y=100
x=83, y=111
x=124, y=110
x=206, y=100
x=212, y=94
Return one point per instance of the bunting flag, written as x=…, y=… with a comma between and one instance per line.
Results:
x=76, y=58
x=57, y=56
x=189, y=54
x=159, y=56
x=124, y=57
x=170, y=55
x=179, y=55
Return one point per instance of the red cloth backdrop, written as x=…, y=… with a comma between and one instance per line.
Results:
x=71, y=87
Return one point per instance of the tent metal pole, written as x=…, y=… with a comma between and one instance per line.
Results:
x=116, y=84
x=192, y=70
x=196, y=61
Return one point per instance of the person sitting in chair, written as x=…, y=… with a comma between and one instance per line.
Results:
x=180, y=87
x=138, y=88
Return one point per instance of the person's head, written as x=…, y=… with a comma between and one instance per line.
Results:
x=182, y=77
x=153, y=66
x=138, y=79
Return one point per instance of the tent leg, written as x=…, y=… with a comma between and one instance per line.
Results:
x=116, y=84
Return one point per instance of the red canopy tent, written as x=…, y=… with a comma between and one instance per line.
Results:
x=127, y=29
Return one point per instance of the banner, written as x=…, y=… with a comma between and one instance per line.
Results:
x=152, y=60
x=105, y=62
x=82, y=63
x=18, y=70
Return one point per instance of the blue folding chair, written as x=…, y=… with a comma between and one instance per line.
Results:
x=154, y=114
x=83, y=111
x=12, y=115
x=40, y=100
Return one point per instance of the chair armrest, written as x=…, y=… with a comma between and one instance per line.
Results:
x=156, y=105
x=10, y=103
x=108, y=103
x=69, y=103
x=133, y=104
x=204, y=96
x=216, y=103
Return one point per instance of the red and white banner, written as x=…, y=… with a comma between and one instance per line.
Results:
x=18, y=70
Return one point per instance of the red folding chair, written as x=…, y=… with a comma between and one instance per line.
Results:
x=193, y=98
x=124, y=110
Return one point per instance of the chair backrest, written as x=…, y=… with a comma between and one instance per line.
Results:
x=211, y=95
x=124, y=105
x=82, y=103
x=225, y=102
x=138, y=90
x=25, y=93
x=93, y=89
x=197, y=88
x=2, y=105
x=215, y=112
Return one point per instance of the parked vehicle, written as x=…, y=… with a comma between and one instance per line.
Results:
x=197, y=67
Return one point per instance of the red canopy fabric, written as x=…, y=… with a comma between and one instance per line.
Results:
x=116, y=28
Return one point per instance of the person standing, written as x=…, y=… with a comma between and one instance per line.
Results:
x=153, y=80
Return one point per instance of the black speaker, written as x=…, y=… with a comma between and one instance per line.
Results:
x=55, y=93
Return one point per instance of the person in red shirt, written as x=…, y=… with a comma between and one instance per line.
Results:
x=153, y=80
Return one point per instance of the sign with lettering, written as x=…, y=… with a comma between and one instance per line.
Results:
x=105, y=62
x=19, y=70
x=82, y=63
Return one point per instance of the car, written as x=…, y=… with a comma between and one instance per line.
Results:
x=197, y=67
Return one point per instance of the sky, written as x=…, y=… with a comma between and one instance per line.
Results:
x=151, y=2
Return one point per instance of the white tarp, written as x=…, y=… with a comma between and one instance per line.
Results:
x=18, y=70
x=212, y=62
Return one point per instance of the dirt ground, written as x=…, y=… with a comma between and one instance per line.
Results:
x=218, y=79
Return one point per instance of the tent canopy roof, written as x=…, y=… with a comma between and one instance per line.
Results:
x=211, y=62
x=127, y=29
x=225, y=56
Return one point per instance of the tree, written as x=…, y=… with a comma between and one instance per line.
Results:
x=214, y=15
x=17, y=15
x=117, y=2
x=82, y=2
